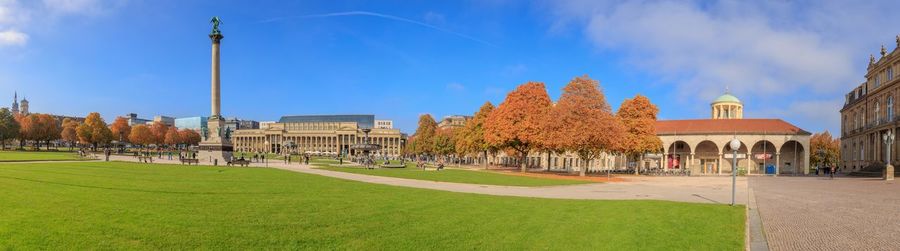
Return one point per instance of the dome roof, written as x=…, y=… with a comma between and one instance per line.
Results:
x=727, y=98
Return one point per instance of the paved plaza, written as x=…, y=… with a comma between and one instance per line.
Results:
x=814, y=213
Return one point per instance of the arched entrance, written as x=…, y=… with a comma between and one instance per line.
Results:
x=708, y=154
x=678, y=153
x=726, y=165
x=791, y=158
x=762, y=156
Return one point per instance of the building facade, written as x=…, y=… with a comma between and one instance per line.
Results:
x=768, y=146
x=133, y=120
x=454, y=121
x=318, y=134
x=166, y=120
x=869, y=112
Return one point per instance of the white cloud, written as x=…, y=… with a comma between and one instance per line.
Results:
x=13, y=37
x=773, y=54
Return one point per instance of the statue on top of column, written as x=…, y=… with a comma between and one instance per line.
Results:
x=215, y=21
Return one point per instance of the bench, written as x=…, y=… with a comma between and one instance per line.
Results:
x=239, y=162
x=190, y=161
x=145, y=159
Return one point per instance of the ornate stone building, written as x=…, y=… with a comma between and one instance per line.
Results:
x=319, y=134
x=869, y=113
x=16, y=109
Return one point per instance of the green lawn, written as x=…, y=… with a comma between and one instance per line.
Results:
x=117, y=205
x=448, y=175
x=15, y=156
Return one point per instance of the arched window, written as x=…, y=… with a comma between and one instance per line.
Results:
x=890, y=108
x=877, y=112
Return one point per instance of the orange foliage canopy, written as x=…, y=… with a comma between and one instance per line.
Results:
x=518, y=122
x=638, y=116
x=830, y=146
x=120, y=128
x=158, y=129
x=189, y=137
x=582, y=121
x=141, y=135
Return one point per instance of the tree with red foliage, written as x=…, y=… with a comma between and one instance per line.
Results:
x=518, y=123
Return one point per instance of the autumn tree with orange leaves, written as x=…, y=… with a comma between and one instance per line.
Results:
x=583, y=122
x=172, y=137
x=638, y=116
x=518, y=123
x=159, y=129
x=471, y=137
x=120, y=129
x=189, y=137
x=825, y=142
x=424, y=136
x=141, y=135
x=69, y=132
x=94, y=131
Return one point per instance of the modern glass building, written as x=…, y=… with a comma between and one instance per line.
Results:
x=193, y=123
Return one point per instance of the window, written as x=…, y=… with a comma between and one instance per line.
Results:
x=877, y=112
x=890, y=73
x=890, y=108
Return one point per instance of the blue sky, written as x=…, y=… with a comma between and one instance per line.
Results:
x=398, y=59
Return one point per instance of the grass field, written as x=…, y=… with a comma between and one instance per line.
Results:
x=16, y=156
x=116, y=205
x=447, y=175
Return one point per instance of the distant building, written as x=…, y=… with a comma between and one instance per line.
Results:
x=134, y=120
x=169, y=121
x=15, y=105
x=192, y=123
x=265, y=124
x=384, y=124
x=234, y=124
x=454, y=121
x=325, y=134
x=60, y=118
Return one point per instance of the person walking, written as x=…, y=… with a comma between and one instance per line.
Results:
x=831, y=172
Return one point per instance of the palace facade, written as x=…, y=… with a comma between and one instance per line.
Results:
x=320, y=134
x=869, y=113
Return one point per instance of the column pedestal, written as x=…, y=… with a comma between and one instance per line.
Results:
x=889, y=172
x=215, y=149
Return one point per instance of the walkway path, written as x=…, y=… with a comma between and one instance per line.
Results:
x=684, y=189
x=813, y=213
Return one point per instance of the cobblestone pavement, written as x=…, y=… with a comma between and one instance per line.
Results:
x=814, y=213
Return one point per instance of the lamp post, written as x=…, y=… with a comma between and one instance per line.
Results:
x=735, y=145
x=888, y=168
x=821, y=166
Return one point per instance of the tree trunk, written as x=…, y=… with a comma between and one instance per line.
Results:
x=548, y=161
x=583, y=168
x=522, y=163
x=485, y=162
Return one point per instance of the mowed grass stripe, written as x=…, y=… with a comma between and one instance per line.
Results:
x=253, y=208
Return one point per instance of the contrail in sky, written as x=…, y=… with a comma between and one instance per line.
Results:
x=385, y=16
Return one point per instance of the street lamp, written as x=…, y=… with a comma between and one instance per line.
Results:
x=735, y=145
x=888, y=168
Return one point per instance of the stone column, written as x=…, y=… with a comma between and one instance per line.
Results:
x=215, y=95
x=777, y=163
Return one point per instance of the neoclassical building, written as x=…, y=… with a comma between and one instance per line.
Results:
x=868, y=114
x=319, y=134
x=768, y=146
